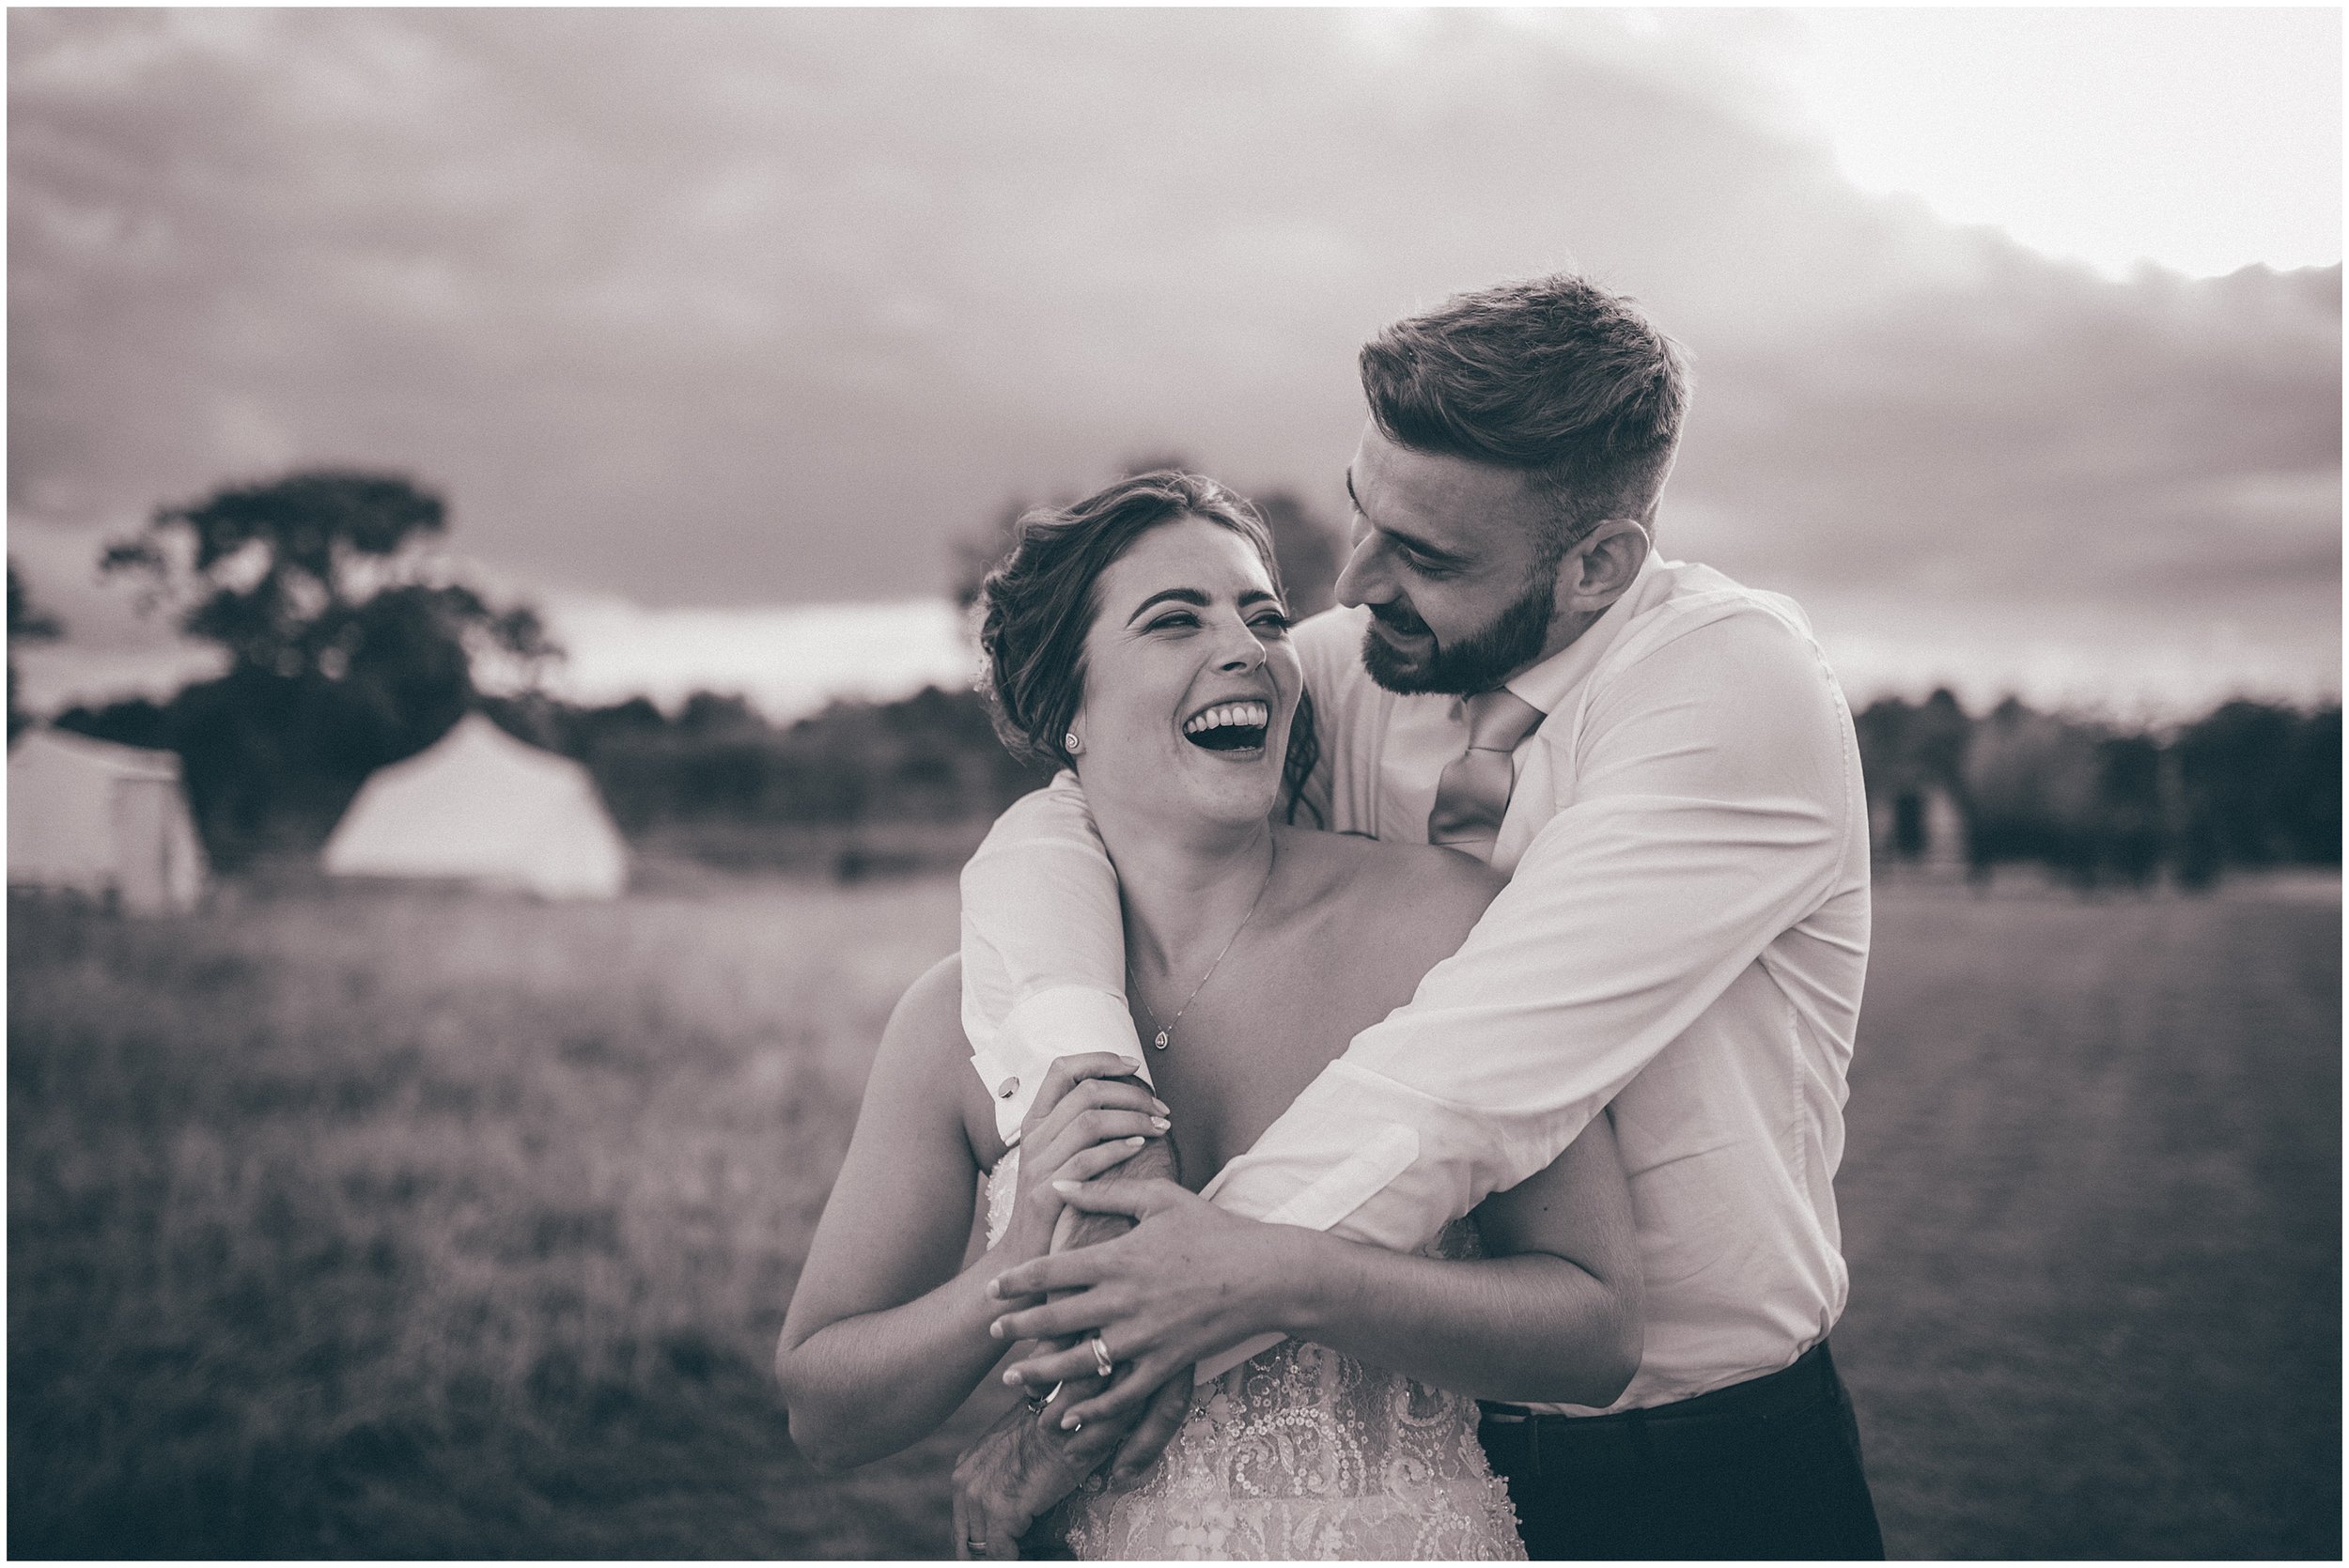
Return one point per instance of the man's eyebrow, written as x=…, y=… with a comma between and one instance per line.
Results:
x=1433, y=551
x=1186, y=596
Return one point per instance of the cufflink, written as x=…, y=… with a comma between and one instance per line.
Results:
x=1005, y=1090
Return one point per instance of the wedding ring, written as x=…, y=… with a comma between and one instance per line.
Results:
x=976, y=1548
x=1101, y=1361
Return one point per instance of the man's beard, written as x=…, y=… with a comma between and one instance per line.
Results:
x=1476, y=663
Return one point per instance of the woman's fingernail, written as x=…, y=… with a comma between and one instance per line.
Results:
x=995, y=1289
x=1136, y=1142
x=1068, y=1189
x=1133, y=1062
x=1070, y=1423
x=1161, y=1108
x=1160, y=1123
x=1011, y=1379
x=995, y=1329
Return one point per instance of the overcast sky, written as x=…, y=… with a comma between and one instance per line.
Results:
x=724, y=311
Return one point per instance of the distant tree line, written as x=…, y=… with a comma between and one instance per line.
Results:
x=28, y=623
x=2248, y=784
x=347, y=652
x=931, y=757
x=2244, y=786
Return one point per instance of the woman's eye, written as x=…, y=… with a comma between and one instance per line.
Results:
x=1273, y=622
x=1179, y=619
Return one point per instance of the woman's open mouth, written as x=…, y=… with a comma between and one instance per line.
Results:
x=1229, y=727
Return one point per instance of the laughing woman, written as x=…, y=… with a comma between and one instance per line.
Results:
x=1140, y=637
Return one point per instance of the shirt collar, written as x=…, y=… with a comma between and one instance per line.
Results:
x=1548, y=684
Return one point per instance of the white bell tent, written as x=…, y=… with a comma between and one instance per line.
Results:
x=480, y=806
x=101, y=819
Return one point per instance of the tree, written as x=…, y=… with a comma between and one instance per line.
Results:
x=346, y=651
x=316, y=574
x=26, y=624
x=2240, y=787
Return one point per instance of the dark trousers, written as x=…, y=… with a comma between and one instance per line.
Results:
x=1767, y=1469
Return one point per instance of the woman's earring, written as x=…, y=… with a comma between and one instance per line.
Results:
x=1070, y=744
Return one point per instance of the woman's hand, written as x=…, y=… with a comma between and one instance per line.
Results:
x=1089, y=1117
x=1188, y=1280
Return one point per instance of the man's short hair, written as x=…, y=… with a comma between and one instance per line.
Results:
x=1554, y=376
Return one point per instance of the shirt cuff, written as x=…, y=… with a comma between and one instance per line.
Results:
x=1066, y=1020
x=1368, y=1158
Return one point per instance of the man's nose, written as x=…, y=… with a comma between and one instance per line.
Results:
x=1361, y=582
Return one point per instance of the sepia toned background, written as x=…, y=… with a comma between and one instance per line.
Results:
x=657, y=384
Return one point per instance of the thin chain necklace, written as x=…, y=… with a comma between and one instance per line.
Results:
x=1167, y=1028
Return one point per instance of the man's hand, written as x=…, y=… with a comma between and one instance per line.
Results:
x=1023, y=1465
x=1191, y=1280
x=1028, y=1461
x=1089, y=1115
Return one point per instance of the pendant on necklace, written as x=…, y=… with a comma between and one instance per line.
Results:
x=1161, y=1041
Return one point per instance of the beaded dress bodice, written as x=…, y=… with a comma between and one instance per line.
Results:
x=1299, y=1454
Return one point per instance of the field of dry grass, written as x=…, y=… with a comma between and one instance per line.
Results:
x=408, y=1224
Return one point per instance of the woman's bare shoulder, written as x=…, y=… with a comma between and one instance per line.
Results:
x=924, y=1042
x=928, y=1016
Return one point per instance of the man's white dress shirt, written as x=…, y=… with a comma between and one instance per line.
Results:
x=1684, y=938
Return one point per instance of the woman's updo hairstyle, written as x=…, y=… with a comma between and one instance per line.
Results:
x=1037, y=605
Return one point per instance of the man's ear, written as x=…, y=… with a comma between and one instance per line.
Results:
x=1598, y=570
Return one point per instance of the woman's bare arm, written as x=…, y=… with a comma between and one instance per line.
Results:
x=1554, y=1315
x=887, y=1332
x=886, y=1335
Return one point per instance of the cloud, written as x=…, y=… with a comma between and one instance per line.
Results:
x=734, y=307
x=786, y=660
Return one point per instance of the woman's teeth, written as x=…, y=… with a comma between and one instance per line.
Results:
x=1229, y=726
x=1230, y=713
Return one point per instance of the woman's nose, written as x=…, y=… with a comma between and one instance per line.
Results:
x=1241, y=652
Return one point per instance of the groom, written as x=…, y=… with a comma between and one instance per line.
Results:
x=1662, y=762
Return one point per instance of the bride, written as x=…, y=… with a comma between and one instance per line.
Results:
x=1139, y=637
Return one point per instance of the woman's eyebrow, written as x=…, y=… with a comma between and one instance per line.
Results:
x=1185, y=596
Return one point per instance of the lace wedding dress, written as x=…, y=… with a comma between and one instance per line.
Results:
x=1298, y=1454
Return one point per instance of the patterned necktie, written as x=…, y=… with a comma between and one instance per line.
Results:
x=1473, y=793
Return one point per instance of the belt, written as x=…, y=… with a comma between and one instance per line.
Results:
x=1685, y=1430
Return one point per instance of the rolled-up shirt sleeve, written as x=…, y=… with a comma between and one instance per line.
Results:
x=1707, y=812
x=1043, y=948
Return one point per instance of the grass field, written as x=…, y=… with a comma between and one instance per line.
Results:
x=418, y=1225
